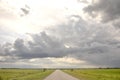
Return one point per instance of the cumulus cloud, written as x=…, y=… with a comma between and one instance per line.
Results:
x=107, y=9
x=73, y=43
x=41, y=45
x=95, y=44
x=58, y=37
x=92, y=43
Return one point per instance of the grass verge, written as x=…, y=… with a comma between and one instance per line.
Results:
x=23, y=74
x=95, y=74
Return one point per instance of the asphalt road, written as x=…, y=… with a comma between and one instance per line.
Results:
x=60, y=75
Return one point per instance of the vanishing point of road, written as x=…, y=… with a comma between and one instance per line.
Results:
x=59, y=75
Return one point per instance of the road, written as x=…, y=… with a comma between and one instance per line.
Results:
x=60, y=75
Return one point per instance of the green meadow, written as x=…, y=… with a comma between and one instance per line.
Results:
x=24, y=74
x=40, y=74
x=95, y=74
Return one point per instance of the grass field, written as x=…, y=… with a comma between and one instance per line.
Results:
x=23, y=74
x=95, y=74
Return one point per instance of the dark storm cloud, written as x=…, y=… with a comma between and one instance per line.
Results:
x=94, y=43
x=41, y=46
x=108, y=9
x=91, y=42
x=109, y=57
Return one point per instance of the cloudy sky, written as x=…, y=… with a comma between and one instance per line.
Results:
x=59, y=33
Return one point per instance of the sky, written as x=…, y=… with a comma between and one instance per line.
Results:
x=59, y=33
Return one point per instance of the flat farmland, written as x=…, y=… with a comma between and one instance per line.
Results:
x=95, y=74
x=24, y=74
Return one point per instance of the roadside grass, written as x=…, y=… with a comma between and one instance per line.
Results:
x=95, y=74
x=23, y=74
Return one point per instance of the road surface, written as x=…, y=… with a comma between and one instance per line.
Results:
x=59, y=75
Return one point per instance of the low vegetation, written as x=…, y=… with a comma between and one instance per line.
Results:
x=95, y=74
x=24, y=74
